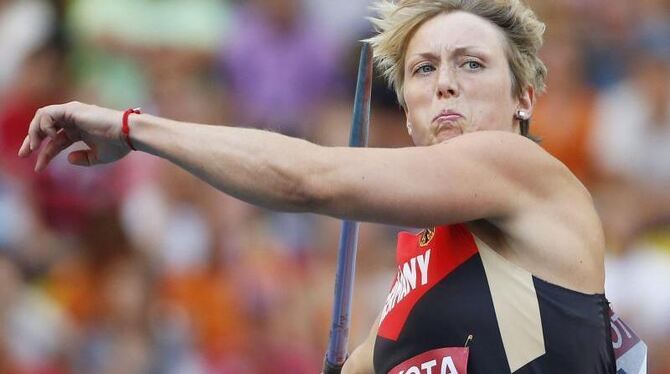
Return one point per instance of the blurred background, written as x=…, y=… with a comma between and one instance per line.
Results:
x=138, y=267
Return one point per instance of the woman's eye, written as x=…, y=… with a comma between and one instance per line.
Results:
x=472, y=65
x=423, y=69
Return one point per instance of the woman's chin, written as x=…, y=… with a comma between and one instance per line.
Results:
x=447, y=134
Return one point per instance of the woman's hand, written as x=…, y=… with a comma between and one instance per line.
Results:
x=65, y=124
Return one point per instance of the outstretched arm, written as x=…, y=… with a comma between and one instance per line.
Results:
x=479, y=175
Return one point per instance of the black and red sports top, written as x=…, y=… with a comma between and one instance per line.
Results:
x=456, y=305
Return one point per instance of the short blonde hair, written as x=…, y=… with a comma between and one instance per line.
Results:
x=398, y=20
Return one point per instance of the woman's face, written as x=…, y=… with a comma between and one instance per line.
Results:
x=457, y=79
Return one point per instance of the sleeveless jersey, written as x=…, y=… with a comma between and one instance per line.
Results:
x=458, y=305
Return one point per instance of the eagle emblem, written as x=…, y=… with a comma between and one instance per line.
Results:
x=426, y=236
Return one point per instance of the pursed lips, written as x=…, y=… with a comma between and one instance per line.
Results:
x=447, y=121
x=448, y=116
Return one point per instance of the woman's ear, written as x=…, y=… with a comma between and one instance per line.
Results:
x=524, y=110
x=527, y=101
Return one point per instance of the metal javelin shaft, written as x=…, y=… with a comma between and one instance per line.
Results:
x=346, y=260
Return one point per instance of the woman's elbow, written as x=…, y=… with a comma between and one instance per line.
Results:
x=312, y=194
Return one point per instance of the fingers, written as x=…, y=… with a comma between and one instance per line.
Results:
x=32, y=140
x=36, y=131
x=46, y=123
x=58, y=143
x=25, y=147
x=82, y=158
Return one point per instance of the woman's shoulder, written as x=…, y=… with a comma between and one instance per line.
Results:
x=506, y=147
x=524, y=162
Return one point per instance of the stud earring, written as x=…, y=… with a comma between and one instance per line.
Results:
x=409, y=128
x=524, y=121
x=522, y=115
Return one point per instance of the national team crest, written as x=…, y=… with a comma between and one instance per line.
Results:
x=426, y=236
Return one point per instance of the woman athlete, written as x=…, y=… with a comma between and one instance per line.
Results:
x=508, y=274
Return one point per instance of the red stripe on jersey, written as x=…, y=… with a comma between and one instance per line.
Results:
x=450, y=247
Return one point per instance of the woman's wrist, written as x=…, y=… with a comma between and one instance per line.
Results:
x=125, y=127
x=147, y=132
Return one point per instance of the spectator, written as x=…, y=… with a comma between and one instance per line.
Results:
x=279, y=65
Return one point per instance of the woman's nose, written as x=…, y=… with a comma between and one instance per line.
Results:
x=446, y=83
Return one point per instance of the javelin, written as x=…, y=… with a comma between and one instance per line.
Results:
x=346, y=258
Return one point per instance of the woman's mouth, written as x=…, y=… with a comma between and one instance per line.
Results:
x=447, y=116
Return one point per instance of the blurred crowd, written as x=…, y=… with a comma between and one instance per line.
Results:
x=138, y=267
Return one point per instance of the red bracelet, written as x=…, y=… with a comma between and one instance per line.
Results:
x=125, y=129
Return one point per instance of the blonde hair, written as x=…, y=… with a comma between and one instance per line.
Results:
x=397, y=22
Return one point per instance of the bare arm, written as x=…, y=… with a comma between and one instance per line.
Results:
x=480, y=175
x=361, y=359
x=473, y=176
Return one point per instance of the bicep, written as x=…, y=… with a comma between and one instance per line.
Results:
x=470, y=177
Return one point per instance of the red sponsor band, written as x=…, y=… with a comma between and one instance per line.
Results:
x=437, y=361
